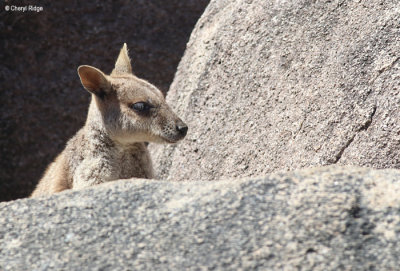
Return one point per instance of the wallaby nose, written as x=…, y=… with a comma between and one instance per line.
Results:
x=182, y=128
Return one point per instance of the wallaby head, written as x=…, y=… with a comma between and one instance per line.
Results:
x=130, y=109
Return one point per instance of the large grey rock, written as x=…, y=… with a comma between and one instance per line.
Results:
x=42, y=101
x=328, y=218
x=275, y=85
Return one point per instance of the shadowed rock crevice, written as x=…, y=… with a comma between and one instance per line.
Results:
x=364, y=127
x=385, y=69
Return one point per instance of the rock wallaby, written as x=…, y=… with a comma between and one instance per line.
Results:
x=124, y=113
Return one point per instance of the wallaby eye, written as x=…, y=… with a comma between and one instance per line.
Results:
x=141, y=107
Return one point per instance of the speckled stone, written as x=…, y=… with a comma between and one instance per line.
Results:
x=282, y=85
x=328, y=218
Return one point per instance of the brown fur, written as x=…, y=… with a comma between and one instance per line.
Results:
x=111, y=144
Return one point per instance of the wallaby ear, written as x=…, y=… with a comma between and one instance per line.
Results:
x=94, y=80
x=123, y=64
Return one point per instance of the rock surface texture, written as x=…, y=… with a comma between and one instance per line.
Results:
x=42, y=101
x=329, y=218
x=280, y=85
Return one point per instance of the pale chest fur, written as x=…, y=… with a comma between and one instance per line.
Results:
x=134, y=162
x=98, y=160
